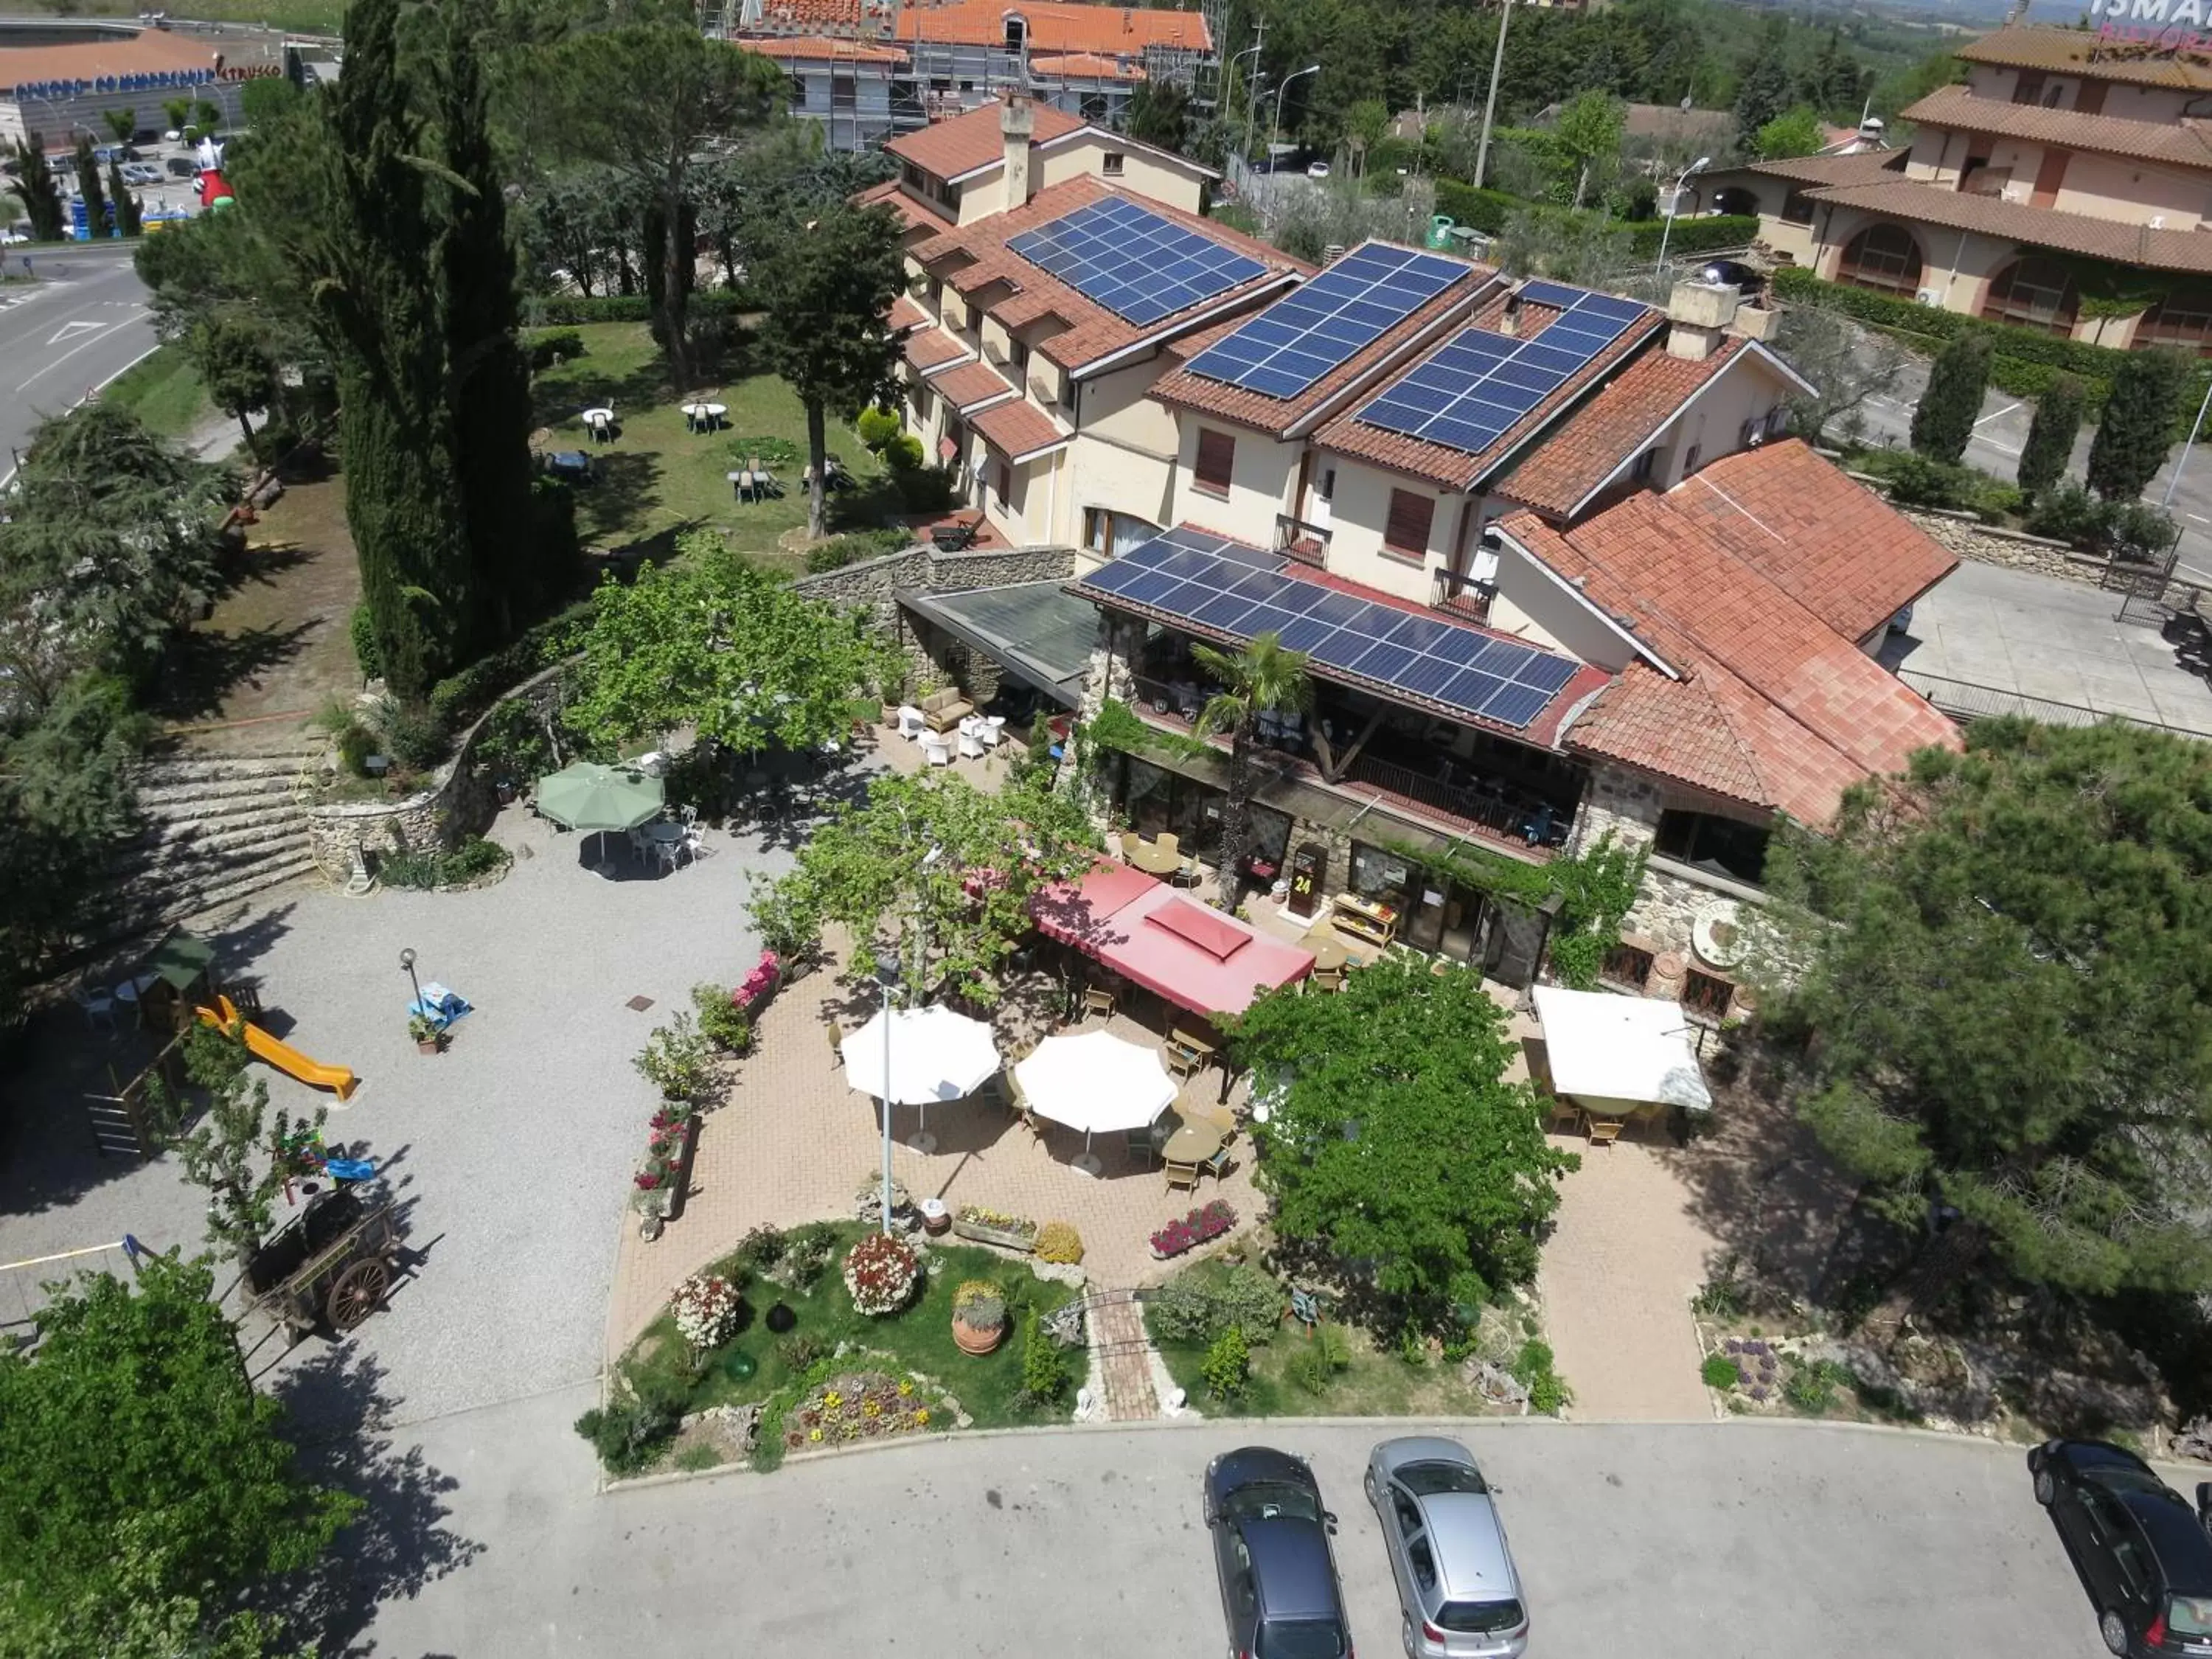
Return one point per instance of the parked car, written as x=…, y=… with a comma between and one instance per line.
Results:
x=1270, y=1528
x=182, y=167
x=1317, y=170
x=1458, y=1593
x=2144, y=1556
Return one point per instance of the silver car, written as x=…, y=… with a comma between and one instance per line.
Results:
x=1455, y=1579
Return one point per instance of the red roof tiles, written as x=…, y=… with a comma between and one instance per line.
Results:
x=822, y=48
x=2079, y=52
x=2185, y=143
x=905, y=315
x=970, y=386
x=952, y=149
x=2070, y=233
x=919, y=215
x=1090, y=66
x=1017, y=429
x=932, y=348
x=1055, y=26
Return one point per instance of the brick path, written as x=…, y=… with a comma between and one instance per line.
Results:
x=1117, y=1326
x=794, y=1143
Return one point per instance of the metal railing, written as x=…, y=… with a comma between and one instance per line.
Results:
x=1301, y=540
x=1459, y=595
x=1964, y=703
x=1543, y=827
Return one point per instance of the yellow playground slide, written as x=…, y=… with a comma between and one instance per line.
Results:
x=285, y=1058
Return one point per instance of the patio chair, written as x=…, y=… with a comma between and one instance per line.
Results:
x=1218, y=1164
x=1183, y=1064
x=971, y=745
x=1566, y=1116
x=664, y=854
x=1328, y=979
x=936, y=751
x=1138, y=1143
x=1602, y=1131
x=695, y=841
x=1181, y=1174
x=1304, y=1306
x=1097, y=999
x=1168, y=843
x=98, y=1007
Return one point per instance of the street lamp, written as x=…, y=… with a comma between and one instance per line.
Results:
x=1674, y=206
x=887, y=974
x=1275, y=124
x=1490, y=102
x=407, y=961
x=2172, y=483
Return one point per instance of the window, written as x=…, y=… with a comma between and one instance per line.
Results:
x=1423, y=1564
x=798, y=89
x=2028, y=89
x=1691, y=458
x=1113, y=163
x=1797, y=208
x=1002, y=483
x=2182, y=319
x=1093, y=107
x=1641, y=470
x=1703, y=994
x=1017, y=32
x=1327, y=490
x=1215, y=462
x=1017, y=356
x=1626, y=964
x=2035, y=292
x=1115, y=534
x=1406, y=529
x=1720, y=847
x=1883, y=256
x=844, y=92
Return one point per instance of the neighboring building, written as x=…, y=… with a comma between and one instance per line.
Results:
x=1084, y=60
x=60, y=79
x=2066, y=156
x=843, y=85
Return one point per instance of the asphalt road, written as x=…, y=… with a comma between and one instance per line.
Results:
x=1706, y=1541
x=82, y=323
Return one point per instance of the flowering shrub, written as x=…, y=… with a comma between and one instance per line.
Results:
x=882, y=1273
x=1201, y=1225
x=862, y=1406
x=705, y=1309
x=1058, y=1241
x=664, y=1135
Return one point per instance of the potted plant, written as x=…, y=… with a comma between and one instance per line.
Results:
x=985, y=1226
x=979, y=1316
x=652, y=1211
x=429, y=1035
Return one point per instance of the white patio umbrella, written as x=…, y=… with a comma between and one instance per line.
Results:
x=935, y=1055
x=1094, y=1080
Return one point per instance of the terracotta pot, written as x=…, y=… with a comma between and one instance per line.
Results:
x=428, y=1046
x=969, y=1340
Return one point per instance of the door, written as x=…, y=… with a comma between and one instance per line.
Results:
x=2102, y=1529
x=1405, y=1538
x=1306, y=874
x=1240, y=1598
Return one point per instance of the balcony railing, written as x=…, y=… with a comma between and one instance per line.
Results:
x=1459, y=595
x=1305, y=542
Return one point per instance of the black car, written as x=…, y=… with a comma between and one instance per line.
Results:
x=2143, y=1554
x=1270, y=1528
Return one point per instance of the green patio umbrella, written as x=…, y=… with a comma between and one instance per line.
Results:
x=590, y=797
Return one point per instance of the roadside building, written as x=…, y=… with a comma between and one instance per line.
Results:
x=844, y=86
x=60, y=80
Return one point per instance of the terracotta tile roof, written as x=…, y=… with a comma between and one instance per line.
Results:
x=1454, y=469
x=918, y=216
x=976, y=255
x=847, y=18
x=823, y=48
x=2185, y=143
x=2071, y=232
x=1872, y=166
x=1780, y=710
x=1826, y=540
x=1610, y=429
x=1181, y=388
x=1090, y=65
x=1017, y=428
x=932, y=348
x=971, y=384
x=951, y=148
x=2079, y=52
x=905, y=315
x=1055, y=26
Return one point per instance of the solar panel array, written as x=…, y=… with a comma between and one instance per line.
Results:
x=1139, y=265
x=1296, y=341
x=1475, y=388
x=1242, y=592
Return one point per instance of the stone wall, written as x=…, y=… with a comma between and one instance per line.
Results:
x=1668, y=904
x=2008, y=548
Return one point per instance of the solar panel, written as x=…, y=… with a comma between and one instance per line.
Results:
x=1242, y=592
x=1138, y=264
x=1475, y=388
x=1295, y=342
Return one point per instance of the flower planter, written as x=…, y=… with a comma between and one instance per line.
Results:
x=969, y=1340
x=1201, y=1226
x=680, y=1177
x=1006, y=1238
x=428, y=1046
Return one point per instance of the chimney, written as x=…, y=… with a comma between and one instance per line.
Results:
x=1699, y=315
x=1016, y=122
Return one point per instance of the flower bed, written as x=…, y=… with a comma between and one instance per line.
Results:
x=882, y=1273
x=863, y=1405
x=1010, y=1232
x=658, y=1186
x=1200, y=1227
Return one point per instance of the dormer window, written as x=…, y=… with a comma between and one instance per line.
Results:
x=1018, y=32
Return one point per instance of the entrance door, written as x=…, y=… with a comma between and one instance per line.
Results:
x=1307, y=873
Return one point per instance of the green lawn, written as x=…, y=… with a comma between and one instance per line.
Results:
x=165, y=389
x=758, y=1364
x=657, y=478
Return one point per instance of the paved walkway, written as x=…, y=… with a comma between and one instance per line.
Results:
x=1116, y=1328
x=1626, y=1255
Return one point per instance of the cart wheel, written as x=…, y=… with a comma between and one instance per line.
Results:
x=358, y=1291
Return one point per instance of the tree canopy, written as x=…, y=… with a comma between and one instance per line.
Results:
x=1794, y=132
x=1393, y=1139
x=711, y=642
x=145, y=1485
x=2136, y=429
x=2004, y=968
x=1943, y=420
x=954, y=921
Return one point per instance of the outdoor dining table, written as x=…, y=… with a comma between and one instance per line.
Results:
x=1148, y=858
x=1329, y=954
x=704, y=417
x=596, y=418
x=1198, y=1140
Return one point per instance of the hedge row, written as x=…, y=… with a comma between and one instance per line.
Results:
x=1487, y=211
x=2024, y=362
x=570, y=310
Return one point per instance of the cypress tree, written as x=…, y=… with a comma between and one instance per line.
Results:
x=490, y=377
x=33, y=185
x=128, y=218
x=87, y=185
x=2137, y=428
x=2050, y=447
x=1944, y=419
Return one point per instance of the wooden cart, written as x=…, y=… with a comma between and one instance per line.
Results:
x=334, y=1260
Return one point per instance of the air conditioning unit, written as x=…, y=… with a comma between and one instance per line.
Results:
x=1929, y=296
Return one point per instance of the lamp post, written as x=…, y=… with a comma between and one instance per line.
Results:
x=887, y=973
x=1490, y=103
x=2172, y=483
x=1275, y=126
x=1251, y=86
x=407, y=961
x=1673, y=206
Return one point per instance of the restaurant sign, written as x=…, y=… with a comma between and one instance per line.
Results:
x=150, y=81
x=2173, y=24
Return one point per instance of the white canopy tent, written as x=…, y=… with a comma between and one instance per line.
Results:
x=1613, y=1054
x=1094, y=1080
x=934, y=1055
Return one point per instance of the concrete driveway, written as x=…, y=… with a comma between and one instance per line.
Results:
x=2017, y=632
x=1741, y=1540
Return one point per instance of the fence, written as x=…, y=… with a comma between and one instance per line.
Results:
x=1966, y=703
x=25, y=1283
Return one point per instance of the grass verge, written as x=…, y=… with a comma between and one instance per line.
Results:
x=164, y=391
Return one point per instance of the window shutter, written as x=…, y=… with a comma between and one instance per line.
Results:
x=1406, y=529
x=1217, y=460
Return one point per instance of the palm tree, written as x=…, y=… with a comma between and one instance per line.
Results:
x=1263, y=679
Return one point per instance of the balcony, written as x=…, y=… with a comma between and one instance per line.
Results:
x=1387, y=767
x=1461, y=596
x=1298, y=539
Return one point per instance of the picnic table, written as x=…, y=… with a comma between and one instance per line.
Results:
x=703, y=416
x=1195, y=1141
x=1150, y=857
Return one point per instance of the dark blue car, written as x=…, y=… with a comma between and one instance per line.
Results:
x=2144, y=1556
x=1271, y=1552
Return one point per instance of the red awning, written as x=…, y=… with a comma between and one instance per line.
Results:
x=1195, y=958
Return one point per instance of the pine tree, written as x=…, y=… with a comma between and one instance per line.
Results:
x=88, y=187
x=33, y=185
x=2137, y=428
x=491, y=408
x=2050, y=447
x=1944, y=419
x=1767, y=89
